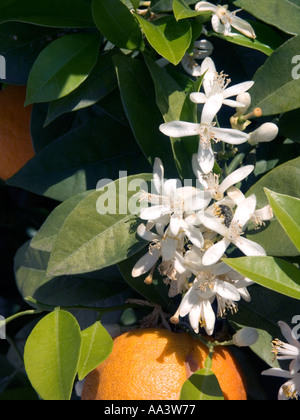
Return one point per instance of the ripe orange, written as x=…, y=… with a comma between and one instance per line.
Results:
x=15, y=139
x=153, y=364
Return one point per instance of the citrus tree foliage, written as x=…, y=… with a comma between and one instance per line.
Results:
x=127, y=93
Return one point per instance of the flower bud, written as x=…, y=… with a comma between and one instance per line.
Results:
x=245, y=337
x=245, y=99
x=264, y=134
x=202, y=49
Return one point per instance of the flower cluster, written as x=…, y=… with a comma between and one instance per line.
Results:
x=190, y=228
x=287, y=351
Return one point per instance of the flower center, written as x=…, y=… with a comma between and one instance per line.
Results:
x=207, y=134
x=220, y=83
x=223, y=14
x=235, y=231
x=290, y=391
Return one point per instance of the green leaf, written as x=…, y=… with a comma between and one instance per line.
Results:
x=276, y=90
x=289, y=125
x=266, y=42
x=169, y=38
x=55, y=13
x=202, y=385
x=272, y=273
x=96, y=346
x=287, y=211
x=101, y=240
x=20, y=45
x=136, y=87
x=89, y=289
x=60, y=68
x=51, y=355
x=283, y=14
x=45, y=237
x=76, y=161
x=100, y=82
x=117, y=24
x=284, y=179
x=172, y=102
x=183, y=11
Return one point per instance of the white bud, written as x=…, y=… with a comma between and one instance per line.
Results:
x=202, y=49
x=244, y=98
x=264, y=134
x=245, y=337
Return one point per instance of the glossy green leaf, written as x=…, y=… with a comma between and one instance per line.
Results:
x=255, y=44
x=88, y=289
x=169, y=38
x=272, y=273
x=287, y=211
x=276, y=89
x=117, y=24
x=100, y=82
x=183, y=11
x=62, y=67
x=51, y=355
x=46, y=235
x=202, y=385
x=284, y=179
x=161, y=6
x=284, y=14
x=136, y=87
x=101, y=240
x=55, y=13
x=96, y=346
x=76, y=161
x=174, y=105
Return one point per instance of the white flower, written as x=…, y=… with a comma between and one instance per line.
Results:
x=206, y=131
x=218, y=282
x=210, y=182
x=259, y=216
x=289, y=350
x=202, y=49
x=264, y=134
x=232, y=234
x=291, y=389
x=215, y=84
x=222, y=19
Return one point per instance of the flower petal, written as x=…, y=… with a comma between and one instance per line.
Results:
x=145, y=234
x=236, y=177
x=287, y=332
x=235, y=90
x=158, y=176
x=211, y=108
x=168, y=248
x=194, y=318
x=206, y=158
x=205, y=6
x=215, y=253
x=190, y=299
x=213, y=223
x=231, y=136
x=198, y=98
x=153, y=212
x=179, y=129
x=245, y=211
x=242, y=26
x=209, y=317
x=227, y=290
x=195, y=236
x=218, y=26
x=249, y=248
x=145, y=263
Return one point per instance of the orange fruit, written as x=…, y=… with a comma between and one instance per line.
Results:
x=16, y=147
x=153, y=364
